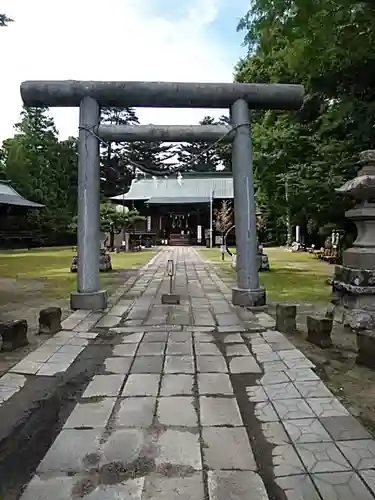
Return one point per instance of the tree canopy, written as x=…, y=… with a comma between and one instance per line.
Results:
x=5, y=20
x=300, y=157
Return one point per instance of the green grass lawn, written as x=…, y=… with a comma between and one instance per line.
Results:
x=47, y=272
x=294, y=277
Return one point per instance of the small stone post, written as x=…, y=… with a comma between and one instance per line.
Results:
x=366, y=348
x=286, y=318
x=50, y=320
x=14, y=334
x=319, y=331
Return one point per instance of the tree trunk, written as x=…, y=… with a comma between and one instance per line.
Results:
x=111, y=240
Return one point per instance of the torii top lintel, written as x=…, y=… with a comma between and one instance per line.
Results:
x=69, y=93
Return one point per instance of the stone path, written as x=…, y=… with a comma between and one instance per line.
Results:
x=200, y=401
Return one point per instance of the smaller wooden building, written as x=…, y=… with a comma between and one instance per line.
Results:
x=177, y=209
x=14, y=208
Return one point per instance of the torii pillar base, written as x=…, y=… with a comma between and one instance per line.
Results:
x=89, y=301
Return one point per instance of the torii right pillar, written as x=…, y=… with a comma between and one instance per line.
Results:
x=248, y=292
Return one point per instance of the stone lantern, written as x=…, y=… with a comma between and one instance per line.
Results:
x=353, y=284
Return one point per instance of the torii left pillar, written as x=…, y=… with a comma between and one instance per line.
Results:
x=88, y=296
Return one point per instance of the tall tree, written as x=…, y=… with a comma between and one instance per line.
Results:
x=42, y=169
x=152, y=157
x=327, y=46
x=116, y=172
x=5, y=20
x=199, y=156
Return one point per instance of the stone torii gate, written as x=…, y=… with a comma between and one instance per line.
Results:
x=90, y=96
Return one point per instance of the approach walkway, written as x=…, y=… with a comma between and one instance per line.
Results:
x=200, y=401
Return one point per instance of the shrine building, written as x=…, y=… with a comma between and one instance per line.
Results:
x=178, y=210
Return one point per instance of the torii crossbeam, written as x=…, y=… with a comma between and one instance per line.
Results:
x=90, y=96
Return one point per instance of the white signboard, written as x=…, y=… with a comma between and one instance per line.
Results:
x=148, y=223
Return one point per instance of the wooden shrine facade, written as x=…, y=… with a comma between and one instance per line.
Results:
x=178, y=211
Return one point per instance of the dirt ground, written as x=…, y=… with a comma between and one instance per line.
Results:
x=25, y=298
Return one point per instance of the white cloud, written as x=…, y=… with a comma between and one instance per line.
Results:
x=112, y=40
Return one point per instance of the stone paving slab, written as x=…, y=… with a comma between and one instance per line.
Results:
x=200, y=401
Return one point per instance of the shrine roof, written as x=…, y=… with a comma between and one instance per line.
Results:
x=9, y=196
x=188, y=189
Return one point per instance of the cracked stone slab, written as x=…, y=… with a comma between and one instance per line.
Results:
x=179, y=364
x=327, y=407
x=299, y=487
x=281, y=344
x=179, y=448
x=135, y=412
x=86, y=415
x=177, y=384
x=286, y=461
x=151, y=349
x=227, y=448
x=272, y=378
x=341, y=486
x=129, y=338
x=274, y=366
x=296, y=363
x=256, y=394
x=141, y=384
x=369, y=478
x=70, y=450
x=237, y=350
x=306, y=430
x=266, y=356
x=244, y=364
x=301, y=375
x=343, y=428
x=104, y=385
x=160, y=487
x=177, y=411
x=291, y=354
x=217, y=411
x=289, y=409
x=232, y=339
x=125, y=350
x=273, y=336
x=360, y=453
x=265, y=412
x=130, y=488
x=49, y=488
x=214, y=383
x=211, y=364
x=124, y=445
x=275, y=433
x=313, y=389
x=118, y=365
x=147, y=364
x=281, y=391
x=207, y=348
x=235, y=485
x=203, y=336
x=179, y=349
x=322, y=457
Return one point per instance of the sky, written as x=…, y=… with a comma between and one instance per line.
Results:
x=151, y=40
